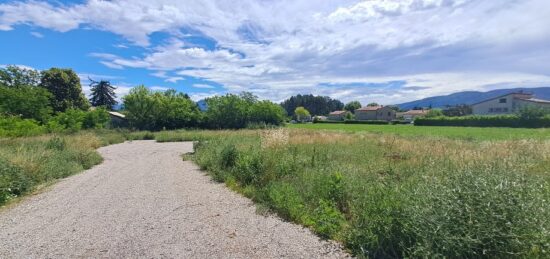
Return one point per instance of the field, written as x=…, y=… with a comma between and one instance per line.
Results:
x=466, y=133
x=387, y=196
x=453, y=192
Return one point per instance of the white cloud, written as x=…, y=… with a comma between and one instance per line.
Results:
x=159, y=88
x=37, y=34
x=203, y=86
x=279, y=48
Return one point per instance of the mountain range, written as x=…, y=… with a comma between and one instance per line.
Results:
x=471, y=97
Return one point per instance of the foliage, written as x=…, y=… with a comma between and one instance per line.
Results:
x=316, y=105
x=391, y=197
x=267, y=112
x=152, y=110
x=102, y=94
x=349, y=116
x=74, y=120
x=513, y=121
x=352, y=121
x=227, y=112
x=14, y=76
x=28, y=102
x=458, y=110
x=352, y=106
x=531, y=112
x=301, y=113
x=373, y=104
x=64, y=84
x=239, y=111
x=434, y=113
x=12, y=126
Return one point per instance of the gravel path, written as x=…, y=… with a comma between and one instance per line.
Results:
x=144, y=201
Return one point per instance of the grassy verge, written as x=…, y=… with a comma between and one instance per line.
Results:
x=386, y=196
x=464, y=133
x=26, y=163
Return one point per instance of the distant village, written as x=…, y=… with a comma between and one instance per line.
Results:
x=509, y=103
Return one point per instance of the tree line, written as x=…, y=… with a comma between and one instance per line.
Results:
x=53, y=99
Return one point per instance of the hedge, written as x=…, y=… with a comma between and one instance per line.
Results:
x=379, y=122
x=511, y=121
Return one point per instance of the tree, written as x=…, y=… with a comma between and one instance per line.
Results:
x=227, y=112
x=301, y=113
x=317, y=105
x=20, y=96
x=65, y=87
x=434, y=113
x=372, y=104
x=26, y=102
x=267, y=112
x=14, y=76
x=458, y=110
x=151, y=110
x=103, y=94
x=531, y=112
x=352, y=106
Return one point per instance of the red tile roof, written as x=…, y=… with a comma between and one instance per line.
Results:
x=337, y=112
x=370, y=108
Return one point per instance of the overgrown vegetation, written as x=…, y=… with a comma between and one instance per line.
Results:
x=26, y=163
x=386, y=196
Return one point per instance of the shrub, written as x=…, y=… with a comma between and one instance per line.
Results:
x=374, y=122
x=17, y=127
x=512, y=121
x=13, y=181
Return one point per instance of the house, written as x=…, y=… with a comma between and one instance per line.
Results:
x=410, y=115
x=507, y=104
x=375, y=113
x=337, y=115
x=118, y=119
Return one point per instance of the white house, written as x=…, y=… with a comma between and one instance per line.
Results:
x=507, y=104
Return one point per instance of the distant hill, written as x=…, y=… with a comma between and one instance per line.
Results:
x=470, y=97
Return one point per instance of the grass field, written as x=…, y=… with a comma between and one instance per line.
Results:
x=466, y=133
x=383, y=191
x=387, y=196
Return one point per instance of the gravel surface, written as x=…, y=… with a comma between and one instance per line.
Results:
x=144, y=201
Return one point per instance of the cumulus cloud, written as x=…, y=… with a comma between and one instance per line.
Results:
x=337, y=48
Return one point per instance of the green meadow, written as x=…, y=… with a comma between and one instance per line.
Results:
x=465, y=133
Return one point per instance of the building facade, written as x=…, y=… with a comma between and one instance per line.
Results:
x=508, y=104
x=337, y=115
x=375, y=113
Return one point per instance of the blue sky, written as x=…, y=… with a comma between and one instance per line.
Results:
x=388, y=51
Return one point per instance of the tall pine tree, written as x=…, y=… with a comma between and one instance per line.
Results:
x=103, y=94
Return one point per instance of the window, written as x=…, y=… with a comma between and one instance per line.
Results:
x=491, y=110
x=389, y=114
x=502, y=100
x=498, y=109
x=505, y=109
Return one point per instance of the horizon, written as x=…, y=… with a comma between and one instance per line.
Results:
x=389, y=52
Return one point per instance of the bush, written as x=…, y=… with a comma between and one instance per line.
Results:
x=150, y=110
x=74, y=120
x=17, y=127
x=13, y=181
x=511, y=121
x=373, y=122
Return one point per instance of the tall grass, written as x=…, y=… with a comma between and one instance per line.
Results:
x=26, y=163
x=386, y=196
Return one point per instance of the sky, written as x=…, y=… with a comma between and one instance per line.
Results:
x=385, y=51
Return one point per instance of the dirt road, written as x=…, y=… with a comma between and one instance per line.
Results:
x=144, y=201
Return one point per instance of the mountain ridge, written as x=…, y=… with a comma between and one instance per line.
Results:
x=471, y=97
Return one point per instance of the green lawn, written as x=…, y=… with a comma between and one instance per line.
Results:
x=449, y=132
